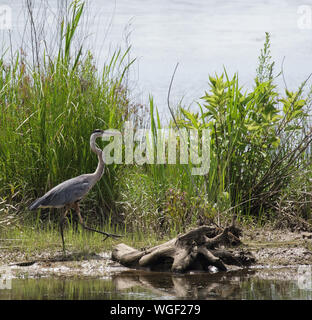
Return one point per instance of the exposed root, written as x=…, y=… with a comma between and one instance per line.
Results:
x=194, y=250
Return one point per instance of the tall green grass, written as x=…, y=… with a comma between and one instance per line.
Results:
x=48, y=111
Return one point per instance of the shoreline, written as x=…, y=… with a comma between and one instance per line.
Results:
x=272, y=249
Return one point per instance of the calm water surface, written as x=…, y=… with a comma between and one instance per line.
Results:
x=249, y=284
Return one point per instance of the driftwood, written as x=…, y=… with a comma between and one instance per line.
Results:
x=198, y=249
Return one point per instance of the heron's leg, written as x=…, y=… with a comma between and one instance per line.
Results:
x=62, y=220
x=234, y=219
x=77, y=209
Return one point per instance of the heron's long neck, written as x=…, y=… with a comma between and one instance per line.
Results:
x=100, y=167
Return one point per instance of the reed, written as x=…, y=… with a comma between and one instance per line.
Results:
x=47, y=112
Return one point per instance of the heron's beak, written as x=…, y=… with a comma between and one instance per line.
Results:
x=111, y=132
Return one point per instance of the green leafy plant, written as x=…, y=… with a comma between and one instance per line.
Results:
x=251, y=154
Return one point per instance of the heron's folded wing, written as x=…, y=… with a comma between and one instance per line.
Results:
x=66, y=192
x=75, y=190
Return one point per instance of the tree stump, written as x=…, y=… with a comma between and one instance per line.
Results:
x=197, y=250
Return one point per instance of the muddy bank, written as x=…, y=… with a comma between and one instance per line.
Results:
x=272, y=249
x=74, y=264
x=279, y=247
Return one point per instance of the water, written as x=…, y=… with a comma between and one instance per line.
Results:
x=251, y=284
x=202, y=35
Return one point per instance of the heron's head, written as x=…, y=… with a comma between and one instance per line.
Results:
x=98, y=132
x=105, y=133
x=101, y=133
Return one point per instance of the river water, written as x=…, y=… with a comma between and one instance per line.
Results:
x=203, y=36
x=279, y=283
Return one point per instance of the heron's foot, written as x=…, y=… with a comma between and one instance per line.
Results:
x=112, y=235
x=107, y=235
x=64, y=252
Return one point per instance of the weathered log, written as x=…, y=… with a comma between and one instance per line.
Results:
x=197, y=249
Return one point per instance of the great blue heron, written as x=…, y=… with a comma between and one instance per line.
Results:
x=68, y=193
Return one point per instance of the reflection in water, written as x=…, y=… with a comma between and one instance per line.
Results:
x=136, y=285
x=242, y=284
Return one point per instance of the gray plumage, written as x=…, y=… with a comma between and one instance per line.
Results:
x=68, y=193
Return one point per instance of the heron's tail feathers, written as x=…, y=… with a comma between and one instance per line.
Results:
x=35, y=205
